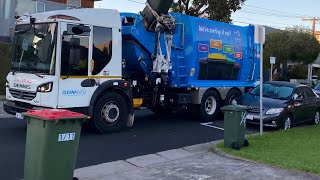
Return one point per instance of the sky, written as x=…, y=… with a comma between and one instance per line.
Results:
x=274, y=13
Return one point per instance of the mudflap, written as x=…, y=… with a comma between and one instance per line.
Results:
x=130, y=120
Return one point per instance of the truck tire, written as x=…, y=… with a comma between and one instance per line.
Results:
x=210, y=105
x=110, y=113
x=232, y=95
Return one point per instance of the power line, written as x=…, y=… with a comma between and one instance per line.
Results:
x=269, y=14
x=243, y=22
x=268, y=21
x=273, y=10
x=274, y=13
x=136, y=2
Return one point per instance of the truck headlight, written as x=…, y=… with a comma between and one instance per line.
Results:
x=47, y=87
x=274, y=111
x=7, y=84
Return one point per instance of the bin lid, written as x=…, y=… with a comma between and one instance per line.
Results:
x=55, y=114
x=217, y=56
x=238, y=108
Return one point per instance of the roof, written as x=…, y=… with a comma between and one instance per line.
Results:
x=284, y=83
x=95, y=17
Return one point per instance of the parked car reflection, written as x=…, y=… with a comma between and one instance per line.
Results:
x=284, y=105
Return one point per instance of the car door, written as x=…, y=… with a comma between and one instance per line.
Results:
x=299, y=105
x=311, y=104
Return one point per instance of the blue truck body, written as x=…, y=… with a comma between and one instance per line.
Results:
x=205, y=53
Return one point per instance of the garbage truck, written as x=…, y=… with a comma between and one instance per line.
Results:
x=106, y=64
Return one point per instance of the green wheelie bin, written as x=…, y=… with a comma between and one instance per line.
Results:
x=235, y=126
x=51, y=144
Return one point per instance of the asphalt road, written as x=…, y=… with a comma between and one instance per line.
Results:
x=151, y=133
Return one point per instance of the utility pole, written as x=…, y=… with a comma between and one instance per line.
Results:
x=314, y=20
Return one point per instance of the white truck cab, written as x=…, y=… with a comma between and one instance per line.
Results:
x=70, y=59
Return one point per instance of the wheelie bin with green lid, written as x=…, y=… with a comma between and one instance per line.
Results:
x=235, y=126
x=51, y=144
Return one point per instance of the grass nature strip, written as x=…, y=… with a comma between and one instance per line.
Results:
x=295, y=149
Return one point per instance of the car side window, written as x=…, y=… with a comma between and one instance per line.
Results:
x=300, y=93
x=309, y=93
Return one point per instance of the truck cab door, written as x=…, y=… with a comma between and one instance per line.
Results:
x=71, y=93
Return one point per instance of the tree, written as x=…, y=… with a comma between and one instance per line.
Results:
x=219, y=10
x=293, y=44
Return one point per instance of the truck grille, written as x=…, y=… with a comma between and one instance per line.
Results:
x=22, y=94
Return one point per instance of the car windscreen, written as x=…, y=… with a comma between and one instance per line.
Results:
x=274, y=91
x=317, y=87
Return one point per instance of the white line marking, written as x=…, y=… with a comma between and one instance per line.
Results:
x=209, y=125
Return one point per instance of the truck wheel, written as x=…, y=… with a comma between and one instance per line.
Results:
x=210, y=105
x=231, y=97
x=110, y=113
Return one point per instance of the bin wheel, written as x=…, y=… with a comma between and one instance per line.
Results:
x=287, y=123
x=246, y=143
x=210, y=105
x=232, y=96
x=235, y=146
x=110, y=113
x=75, y=178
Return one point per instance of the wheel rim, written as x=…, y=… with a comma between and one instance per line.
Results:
x=110, y=112
x=287, y=124
x=210, y=105
x=317, y=118
x=233, y=101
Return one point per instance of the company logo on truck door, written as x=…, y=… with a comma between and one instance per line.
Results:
x=79, y=92
x=23, y=80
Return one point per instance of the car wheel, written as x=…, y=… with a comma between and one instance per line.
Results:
x=317, y=118
x=210, y=105
x=110, y=113
x=287, y=123
x=232, y=96
x=246, y=143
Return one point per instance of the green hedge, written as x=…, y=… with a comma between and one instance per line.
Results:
x=5, y=56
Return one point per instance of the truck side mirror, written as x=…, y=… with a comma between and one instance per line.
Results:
x=74, y=55
x=80, y=29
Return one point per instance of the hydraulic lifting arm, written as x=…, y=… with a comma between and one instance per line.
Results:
x=157, y=19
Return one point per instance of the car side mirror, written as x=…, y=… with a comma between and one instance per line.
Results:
x=296, y=98
x=74, y=55
x=80, y=29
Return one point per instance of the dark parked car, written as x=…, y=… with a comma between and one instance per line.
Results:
x=284, y=105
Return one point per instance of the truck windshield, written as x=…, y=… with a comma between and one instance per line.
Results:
x=35, y=47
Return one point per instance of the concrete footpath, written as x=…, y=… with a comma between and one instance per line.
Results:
x=193, y=162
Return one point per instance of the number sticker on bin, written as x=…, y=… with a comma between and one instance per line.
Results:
x=66, y=137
